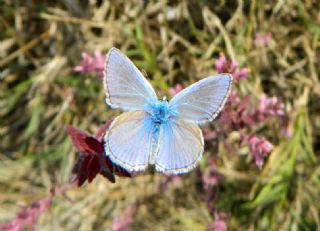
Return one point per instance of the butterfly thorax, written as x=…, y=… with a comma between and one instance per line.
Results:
x=160, y=112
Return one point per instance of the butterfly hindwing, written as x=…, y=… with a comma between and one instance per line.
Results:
x=125, y=87
x=203, y=100
x=128, y=141
x=181, y=147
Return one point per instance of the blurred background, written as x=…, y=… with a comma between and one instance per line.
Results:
x=260, y=169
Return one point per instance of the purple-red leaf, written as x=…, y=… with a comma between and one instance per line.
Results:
x=93, y=168
x=83, y=141
x=102, y=131
x=92, y=159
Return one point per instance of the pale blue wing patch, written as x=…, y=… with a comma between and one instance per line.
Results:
x=181, y=147
x=128, y=142
x=203, y=100
x=124, y=85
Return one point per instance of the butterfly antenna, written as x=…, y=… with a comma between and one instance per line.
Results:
x=144, y=73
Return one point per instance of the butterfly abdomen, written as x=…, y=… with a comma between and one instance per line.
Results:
x=154, y=144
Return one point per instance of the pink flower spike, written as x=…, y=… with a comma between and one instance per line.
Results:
x=87, y=64
x=166, y=180
x=99, y=62
x=262, y=39
x=211, y=176
x=219, y=223
x=226, y=66
x=242, y=74
x=209, y=134
x=91, y=64
x=233, y=66
x=210, y=179
x=221, y=64
x=234, y=98
x=28, y=216
x=123, y=222
x=270, y=106
x=259, y=147
x=175, y=90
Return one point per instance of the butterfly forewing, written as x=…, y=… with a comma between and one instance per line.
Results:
x=125, y=87
x=203, y=100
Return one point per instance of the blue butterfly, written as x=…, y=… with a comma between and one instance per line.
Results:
x=157, y=132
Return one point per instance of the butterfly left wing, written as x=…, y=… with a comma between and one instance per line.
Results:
x=203, y=100
x=128, y=142
x=124, y=85
x=181, y=147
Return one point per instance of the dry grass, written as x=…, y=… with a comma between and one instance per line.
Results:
x=175, y=42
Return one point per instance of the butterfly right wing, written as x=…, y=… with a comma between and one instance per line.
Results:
x=124, y=85
x=202, y=101
x=181, y=147
x=129, y=140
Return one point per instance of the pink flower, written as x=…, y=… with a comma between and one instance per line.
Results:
x=236, y=115
x=262, y=39
x=219, y=223
x=239, y=113
x=228, y=117
x=242, y=74
x=211, y=176
x=270, y=106
x=175, y=90
x=91, y=64
x=209, y=134
x=166, y=180
x=123, y=222
x=209, y=179
x=234, y=98
x=259, y=147
x=226, y=66
x=28, y=216
x=243, y=115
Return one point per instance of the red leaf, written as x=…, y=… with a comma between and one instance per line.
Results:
x=83, y=141
x=95, y=146
x=102, y=131
x=92, y=159
x=105, y=170
x=115, y=169
x=93, y=168
x=82, y=173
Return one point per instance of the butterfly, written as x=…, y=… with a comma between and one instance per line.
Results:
x=155, y=132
